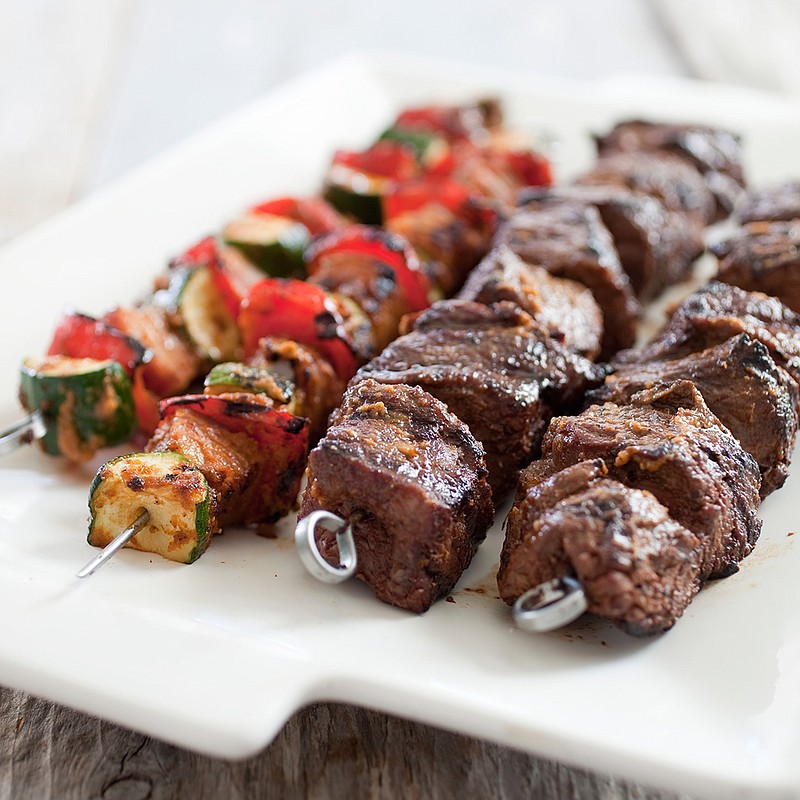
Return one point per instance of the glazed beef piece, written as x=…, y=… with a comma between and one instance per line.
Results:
x=496, y=370
x=569, y=240
x=565, y=309
x=678, y=185
x=667, y=442
x=715, y=152
x=656, y=247
x=740, y=383
x=772, y=204
x=412, y=480
x=763, y=257
x=636, y=564
x=717, y=312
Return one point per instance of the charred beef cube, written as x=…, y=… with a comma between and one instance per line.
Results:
x=717, y=312
x=636, y=564
x=411, y=478
x=565, y=309
x=656, y=247
x=763, y=257
x=496, y=370
x=315, y=387
x=667, y=442
x=678, y=185
x=569, y=240
x=740, y=383
x=715, y=152
x=772, y=204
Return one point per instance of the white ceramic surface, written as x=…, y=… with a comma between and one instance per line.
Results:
x=216, y=656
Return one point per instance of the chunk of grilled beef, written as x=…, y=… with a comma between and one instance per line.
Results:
x=714, y=314
x=636, y=564
x=314, y=387
x=656, y=247
x=230, y=462
x=715, y=152
x=678, y=185
x=772, y=204
x=569, y=240
x=667, y=442
x=763, y=257
x=411, y=479
x=496, y=370
x=564, y=308
x=740, y=383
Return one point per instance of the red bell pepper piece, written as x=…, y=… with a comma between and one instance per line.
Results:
x=532, y=169
x=203, y=253
x=313, y=212
x=388, y=248
x=242, y=413
x=299, y=311
x=81, y=336
x=441, y=191
x=146, y=404
x=386, y=159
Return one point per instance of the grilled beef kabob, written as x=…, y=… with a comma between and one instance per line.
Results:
x=503, y=357
x=571, y=274
x=361, y=281
x=648, y=493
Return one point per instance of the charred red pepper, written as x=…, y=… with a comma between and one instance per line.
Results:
x=453, y=122
x=387, y=248
x=81, y=336
x=302, y=312
x=313, y=212
x=385, y=159
x=530, y=168
x=442, y=191
x=203, y=253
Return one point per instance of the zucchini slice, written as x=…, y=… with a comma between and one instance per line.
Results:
x=175, y=494
x=274, y=244
x=196, y=306
x=355, y=194
x=87, y=403
x=237, y=377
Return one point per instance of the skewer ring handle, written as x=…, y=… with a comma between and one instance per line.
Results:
x=22, y=432
x=550, y=605
x=306, y=544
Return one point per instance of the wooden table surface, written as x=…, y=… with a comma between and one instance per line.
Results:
x=89, y=89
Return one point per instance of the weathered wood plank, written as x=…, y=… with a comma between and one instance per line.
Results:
x=325, y=752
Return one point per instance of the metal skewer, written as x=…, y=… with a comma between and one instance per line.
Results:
x=117, y=543
x=550, y=605
x=22, y=432
x=312, y=559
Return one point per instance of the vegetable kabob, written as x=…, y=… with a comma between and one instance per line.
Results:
x=235, y=454
x=361, y=282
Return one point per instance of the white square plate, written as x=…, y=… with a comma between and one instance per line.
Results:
x=216, y=656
